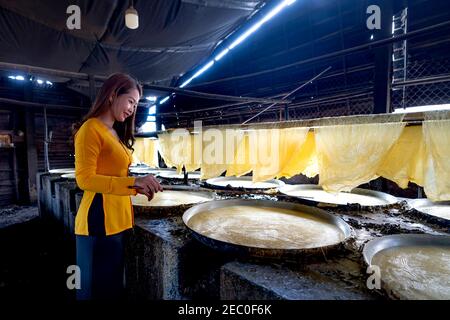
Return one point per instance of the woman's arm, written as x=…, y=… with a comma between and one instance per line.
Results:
x=88, y=142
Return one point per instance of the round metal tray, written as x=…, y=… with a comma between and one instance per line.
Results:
x=425, y=207
x=243, y=183
x=260, y=252
x=326, y=198
x=145, y=208
x=402, y=240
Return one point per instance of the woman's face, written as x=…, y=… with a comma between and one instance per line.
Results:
x=125, y=105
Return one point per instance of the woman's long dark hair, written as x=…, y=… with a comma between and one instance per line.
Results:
x=116, y=85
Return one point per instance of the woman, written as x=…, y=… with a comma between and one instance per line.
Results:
x=103, y=153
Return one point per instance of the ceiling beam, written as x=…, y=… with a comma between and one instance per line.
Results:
x=149, y=85
x=248, y=5
x=39, y=105
x=205, y=95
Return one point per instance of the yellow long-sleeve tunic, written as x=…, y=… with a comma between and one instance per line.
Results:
x=101, y=170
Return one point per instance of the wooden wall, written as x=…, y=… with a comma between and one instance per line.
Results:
x=60, y=150
x=26, y=124
x=7, y=185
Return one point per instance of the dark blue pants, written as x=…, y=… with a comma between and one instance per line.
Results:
x=101, y=262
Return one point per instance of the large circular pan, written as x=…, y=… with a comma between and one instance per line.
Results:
x=70, y=176
x=315, y=194
x=168, y=202
x=266, y=229
x=242, y=183
x=438, y=212
x=62, y=171
x=412, y=266
x=174, y=175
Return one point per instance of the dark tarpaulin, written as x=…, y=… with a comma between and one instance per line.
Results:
x=173, y=35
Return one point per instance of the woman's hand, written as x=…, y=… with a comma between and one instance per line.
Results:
x=148, y=186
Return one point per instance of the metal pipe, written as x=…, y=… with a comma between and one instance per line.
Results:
x=405, y=59
x=213, y=96
x=43, y=71
x=311, y=123
x=302, y=105
x=39, y=105
x=306, y=104
x=333, y=98
x=424, y=80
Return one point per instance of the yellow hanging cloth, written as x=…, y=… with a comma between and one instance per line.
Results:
x=404, y=162
x=437, y=169
x=265, y=154
x=178, y=149
x=166, y=147
x=192, y=152
x=276, y=150
x=218, y=151
x=295, y=149
x=300, y=154
x=151, y=152
x=241, y=163
x=310, y=157
x=350, y=155
x=139, y=150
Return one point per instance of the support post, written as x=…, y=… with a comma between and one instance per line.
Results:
x=383, y=61
x=32, y=159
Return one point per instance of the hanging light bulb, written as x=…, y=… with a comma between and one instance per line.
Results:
x=131, y=17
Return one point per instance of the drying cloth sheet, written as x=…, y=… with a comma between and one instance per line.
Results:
x=437, y=169
x=151, y=152
x=218, y=151
x=180, y=149
x=165, y=149
x=350, y=155
x=192, y=152
x=405, y=161
x=276, y=151
x=139, y=150
x=271, y=153
x=241, y=164
x=146, y=151
x=302, y=159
